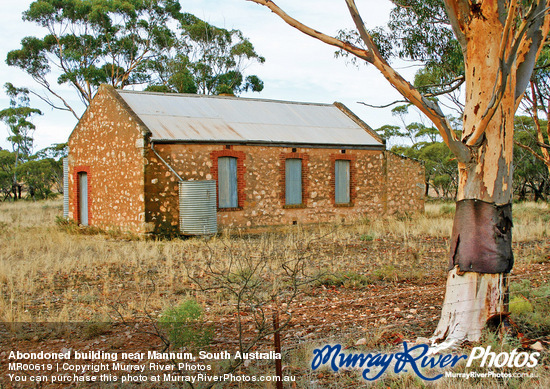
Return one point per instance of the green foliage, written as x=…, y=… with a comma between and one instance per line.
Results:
x=425, y=145
x=447, y=209
x=17, y=119
x=210, y=62
x=420, y=31
x=367, y=237
x=130, y=42
x=529, y=307
x=185, y=326
x=531, y=176
x=40, y=175
x=96, y=328
x=520, y=306
x=387, y=272
x=7, y=163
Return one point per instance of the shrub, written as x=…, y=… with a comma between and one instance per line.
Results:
x=520, y=306
x=367, y=237
x=184, y=325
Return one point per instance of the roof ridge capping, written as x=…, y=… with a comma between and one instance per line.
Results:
x=202, y=96
x=358, y=121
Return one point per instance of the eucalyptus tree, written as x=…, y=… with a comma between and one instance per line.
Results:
x=17, y=118
x=531, y=170
x=211, y=61
x=535, y=103
x=499, y=42
x=90, y=42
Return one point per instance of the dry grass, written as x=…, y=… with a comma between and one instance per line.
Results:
x=47, y=274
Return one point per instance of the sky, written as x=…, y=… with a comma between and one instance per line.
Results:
x=297, y=67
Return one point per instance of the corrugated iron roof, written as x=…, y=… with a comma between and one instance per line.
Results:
x=199, y=118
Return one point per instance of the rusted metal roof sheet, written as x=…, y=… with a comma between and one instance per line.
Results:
x=199, y=118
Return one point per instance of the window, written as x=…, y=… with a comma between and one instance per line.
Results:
x=293, y=181
x=341, y=181
x=227, y=182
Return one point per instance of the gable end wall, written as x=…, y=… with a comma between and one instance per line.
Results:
x=108, y=143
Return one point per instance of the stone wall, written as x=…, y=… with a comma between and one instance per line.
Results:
x=406, y=184
x=108, y=145
x=261, y=184
x=132, y=189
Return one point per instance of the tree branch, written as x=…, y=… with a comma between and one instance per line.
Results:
x=361, y=53
x=540, y=137
x=372, y=56
x=458, y=12
x=522, y=54
x=536, y=31
x=461, y=81
x=429, y=108
x=533, y=152
x=383, y=106
x=51, y=103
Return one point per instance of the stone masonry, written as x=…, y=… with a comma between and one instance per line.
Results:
x=131, y=189
x=108, y=144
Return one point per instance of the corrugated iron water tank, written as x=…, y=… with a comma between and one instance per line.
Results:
x=65, y=187
x=198, y=207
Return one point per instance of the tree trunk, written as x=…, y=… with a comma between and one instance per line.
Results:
x=539, y=191
x=522, y=193
x=481, y=244
x=427, y=189
x=499, y=56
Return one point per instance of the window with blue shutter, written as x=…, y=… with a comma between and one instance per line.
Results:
x=227, y=182
x=293, y=181
x=341, y=181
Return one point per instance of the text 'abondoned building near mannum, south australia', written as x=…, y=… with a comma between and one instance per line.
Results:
x=191, y=164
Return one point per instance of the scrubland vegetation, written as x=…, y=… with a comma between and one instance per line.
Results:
x=370, y=284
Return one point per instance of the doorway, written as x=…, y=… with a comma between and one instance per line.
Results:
x=83, y=198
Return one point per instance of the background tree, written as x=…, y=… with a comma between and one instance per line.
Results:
x=55, y=153
x=421, y=142
x=500, y=41
x=211, y=61
x=17, y=119
x=536, y=135
x=531, y=176
x=40, y=177
x=117, y=42
x=7, y=162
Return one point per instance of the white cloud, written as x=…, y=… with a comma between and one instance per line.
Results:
x=297, y=67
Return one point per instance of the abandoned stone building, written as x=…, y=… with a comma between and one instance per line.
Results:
x=177, y=163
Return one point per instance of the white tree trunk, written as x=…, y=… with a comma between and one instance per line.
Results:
x=471, y=299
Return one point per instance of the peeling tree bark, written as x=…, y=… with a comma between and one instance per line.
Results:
x=500, y=42
x=498, y=52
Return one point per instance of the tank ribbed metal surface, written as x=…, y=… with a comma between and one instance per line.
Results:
x=198, y=213
x=65, y=187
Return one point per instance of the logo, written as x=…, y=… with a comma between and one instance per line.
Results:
x=333, y=357
x=513, y=359
x=416, y=359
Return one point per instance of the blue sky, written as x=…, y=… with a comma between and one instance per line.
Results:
x=297, y=67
